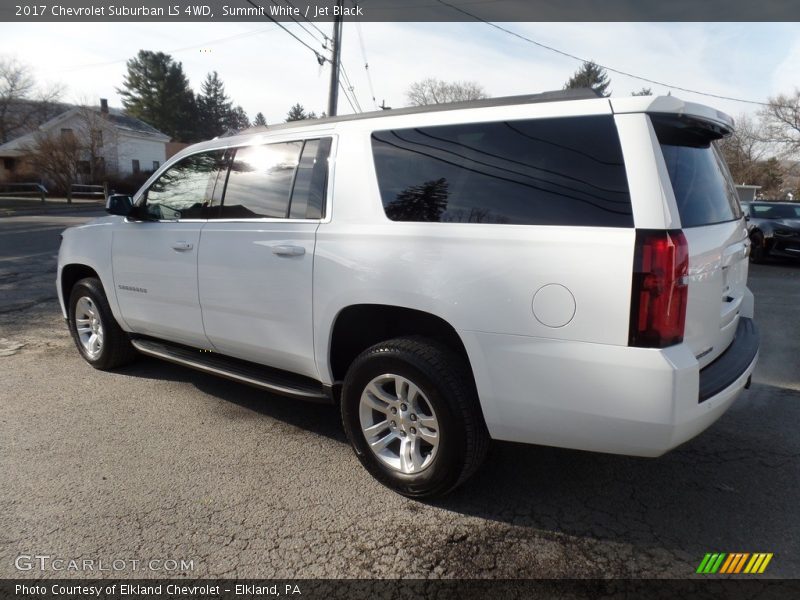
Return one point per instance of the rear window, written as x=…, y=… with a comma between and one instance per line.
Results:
x=565, y=171
x=703, y=188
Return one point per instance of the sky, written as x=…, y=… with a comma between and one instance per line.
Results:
x=264, y=69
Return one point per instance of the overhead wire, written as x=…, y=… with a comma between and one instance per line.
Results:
x=366, y=63
x=607, y=68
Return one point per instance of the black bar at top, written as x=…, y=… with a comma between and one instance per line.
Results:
x=402, y=10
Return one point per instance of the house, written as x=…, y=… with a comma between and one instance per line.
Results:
x=747, y=193
x=111, y=143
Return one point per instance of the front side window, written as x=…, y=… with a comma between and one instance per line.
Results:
x=260, y=181
x=561, y=171
x=186, y=189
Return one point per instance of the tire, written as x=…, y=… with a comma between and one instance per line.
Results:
x=444, y=403
x=758, y=252
x=88, y=303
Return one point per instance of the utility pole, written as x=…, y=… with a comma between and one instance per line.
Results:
x=333, y=94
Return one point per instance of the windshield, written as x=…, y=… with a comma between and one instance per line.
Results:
x=774, y=211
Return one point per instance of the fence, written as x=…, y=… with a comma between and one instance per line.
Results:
x=16, y=190
x=80, y=189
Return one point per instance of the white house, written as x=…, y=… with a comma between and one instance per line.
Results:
x=122, y=144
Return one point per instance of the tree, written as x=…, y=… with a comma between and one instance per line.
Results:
x=238, y=119
x=22, y=105
x=643, y=92
x=259, y=120
x=213, y=107
x=298, y=113
x=435, y=91
x=54, y=155
x=590, y=76
x=743, y=150
x=782, y=123
x=156, y=90
x=424, y=202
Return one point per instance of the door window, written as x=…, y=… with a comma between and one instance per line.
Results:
x=308, y=195
x=186, y=189
x=260, y=181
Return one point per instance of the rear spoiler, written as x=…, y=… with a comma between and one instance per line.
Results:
x=703, y=116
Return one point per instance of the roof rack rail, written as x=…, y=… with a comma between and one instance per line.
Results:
x=552, y=96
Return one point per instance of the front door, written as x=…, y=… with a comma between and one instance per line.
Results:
x=155, y=260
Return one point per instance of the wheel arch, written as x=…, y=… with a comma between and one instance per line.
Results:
x=359, y=326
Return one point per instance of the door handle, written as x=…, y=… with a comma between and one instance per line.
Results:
x=286, y=250
x=182, y=246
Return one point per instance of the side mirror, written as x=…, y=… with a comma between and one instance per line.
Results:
x=119, y=204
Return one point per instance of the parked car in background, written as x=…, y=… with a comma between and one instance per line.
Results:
x=774, y=229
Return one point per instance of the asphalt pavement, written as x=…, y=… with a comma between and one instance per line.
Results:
x=158, y=462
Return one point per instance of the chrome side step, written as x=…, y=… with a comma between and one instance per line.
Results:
x=266, y=378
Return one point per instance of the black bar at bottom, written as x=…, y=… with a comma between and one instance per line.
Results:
x=732, y=588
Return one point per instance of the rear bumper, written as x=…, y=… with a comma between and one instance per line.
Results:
x=602, y=398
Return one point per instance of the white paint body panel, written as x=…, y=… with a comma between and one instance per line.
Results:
x=256, y=305
x=567, y=378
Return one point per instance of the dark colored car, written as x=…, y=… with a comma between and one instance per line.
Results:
x=774, y=229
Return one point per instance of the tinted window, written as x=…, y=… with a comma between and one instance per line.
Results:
x=775, y=211
x=260, y=181
x=308, y=195
x=186, y=189
x=703, y=188
x=566, y=171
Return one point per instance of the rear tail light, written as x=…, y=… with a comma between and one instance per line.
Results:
x=659, y=292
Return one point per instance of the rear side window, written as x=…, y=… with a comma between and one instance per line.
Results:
x=703, y=188
x=260, y=181
x=308, y=195
x=565, y=171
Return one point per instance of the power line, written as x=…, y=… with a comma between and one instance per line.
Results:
x=366, y=63
x=315, y=38
x=320, y=58
x=613, y=70
x=351, y=87
x=310, y=22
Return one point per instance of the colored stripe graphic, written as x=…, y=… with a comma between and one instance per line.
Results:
x=734, y=563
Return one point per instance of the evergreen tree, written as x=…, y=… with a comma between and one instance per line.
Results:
x=237, y=119
x=156, y=90
x=214, y=107
x=590, y=76
x=259, y=121
x=643, y=92
x=296, y=113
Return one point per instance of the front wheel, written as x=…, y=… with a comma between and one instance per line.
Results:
x=98, y=337
x=411, y=413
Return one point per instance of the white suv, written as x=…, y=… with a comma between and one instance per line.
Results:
x=545, y=269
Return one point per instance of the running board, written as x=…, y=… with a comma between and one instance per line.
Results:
x=266, y=378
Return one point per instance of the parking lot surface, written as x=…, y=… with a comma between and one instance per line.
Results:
x=158, y=462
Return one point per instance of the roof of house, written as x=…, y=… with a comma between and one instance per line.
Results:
x=116, y=116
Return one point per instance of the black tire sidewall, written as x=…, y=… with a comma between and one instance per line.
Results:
x=444, y=471
x=92, y=289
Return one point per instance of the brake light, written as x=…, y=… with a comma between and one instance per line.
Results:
x=659, y=293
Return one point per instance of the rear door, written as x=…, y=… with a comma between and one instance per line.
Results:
x=257, y=255
x=713, y=223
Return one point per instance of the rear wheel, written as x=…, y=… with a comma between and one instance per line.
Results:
x=98, y=337
x=411, y=413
